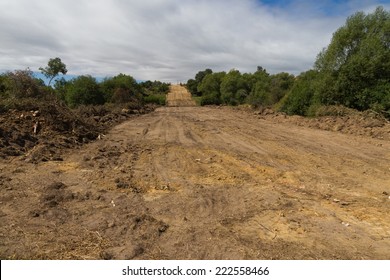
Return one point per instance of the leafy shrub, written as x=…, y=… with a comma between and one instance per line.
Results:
x=355, y=67
x=159, y=99
x=20, y=84
x=121, y=89
x=210, y=99
x=300, y=98
x=156, y=87
x=84, y=90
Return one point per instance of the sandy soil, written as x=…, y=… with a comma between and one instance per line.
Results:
x=202, y=183
x=179, y=96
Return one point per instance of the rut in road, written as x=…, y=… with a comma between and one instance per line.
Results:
x=207, y=183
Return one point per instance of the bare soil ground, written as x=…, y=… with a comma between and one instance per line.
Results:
x=178, y=96
x=202, y=183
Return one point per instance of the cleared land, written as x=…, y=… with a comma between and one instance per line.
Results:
x=202, y=183
x=179, y=96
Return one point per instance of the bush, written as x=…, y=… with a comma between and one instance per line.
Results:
x=121, y=89
x=20, y=84
x=211, y=99
x=155, y=87
x=3, y=81
x=300, y=98
x=84, y=90
x=159, y=99
x=355, y=67
x=234, y=88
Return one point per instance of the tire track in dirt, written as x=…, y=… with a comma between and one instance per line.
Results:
x=222, y=157
x=206, y=183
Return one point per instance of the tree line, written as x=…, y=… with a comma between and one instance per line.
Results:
x=82, y=90
x=120, y=89
x=353, y=71
x=234, y=88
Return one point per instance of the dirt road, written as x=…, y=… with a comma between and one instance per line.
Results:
x=179, y=96
x=202, y=183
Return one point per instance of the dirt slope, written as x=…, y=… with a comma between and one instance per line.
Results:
x=179, y=96
x=202, y=183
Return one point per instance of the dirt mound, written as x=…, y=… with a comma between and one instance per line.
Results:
x=39, y=133
x=42, y=130
x=201, y=183
x=336, y=118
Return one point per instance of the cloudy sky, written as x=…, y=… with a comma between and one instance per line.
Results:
x=170, y=40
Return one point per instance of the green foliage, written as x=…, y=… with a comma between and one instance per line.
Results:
x=353, y=71
x=210, y=89
x=212, y=99
x=154, y=92
x=158, y=99
x=202, y=74
x=156, y=87
x=19, y=90
x=3, y=86
x=193, y=84
x=260, y=94
x=20, y=84
x=61, y=87
x=355, y=67
x=121, y=89
x=84, y=90
x=260, y=88
x=234, y=88
x=280, y=84
x=53, y=68
x=300, y=98
x=197, y=99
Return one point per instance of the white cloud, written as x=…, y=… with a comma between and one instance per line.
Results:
x=166, y=40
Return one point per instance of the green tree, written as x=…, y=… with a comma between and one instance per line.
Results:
x=121, y=89
x=61, y=87
x=84, y=90
x=154, y=92
x=355, y=67
x=54, y=67
x=3, y=85
x=201, y=74
x=156, y=87
x=210, y=89
x=192, y=84
x=234, y=88
x=301, y=96
x=280, y=85
x=259, y=83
